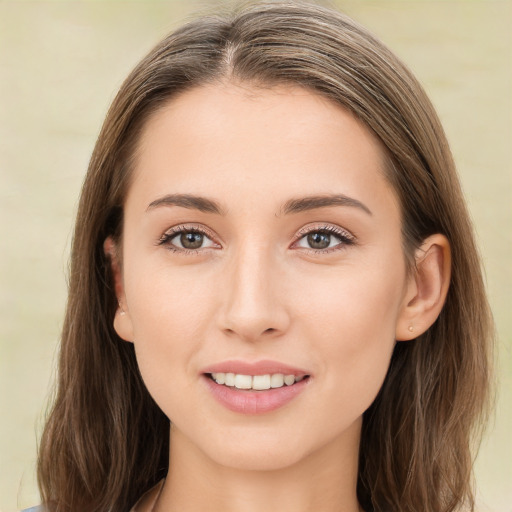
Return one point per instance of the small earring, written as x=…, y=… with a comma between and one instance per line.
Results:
x=411, y=328
x=123, y=312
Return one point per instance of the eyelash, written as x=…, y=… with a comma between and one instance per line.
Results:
x=166, y=238
x=345, y=238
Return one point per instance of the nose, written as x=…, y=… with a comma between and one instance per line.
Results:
x=253, y=301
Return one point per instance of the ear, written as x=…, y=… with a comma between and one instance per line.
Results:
x=122, y=320
x=426, y=289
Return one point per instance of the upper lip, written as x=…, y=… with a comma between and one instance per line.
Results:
x=263, y=367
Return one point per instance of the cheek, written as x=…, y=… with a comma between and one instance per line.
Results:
x=351, y=323
x=169, y=312
x=355, y=301
x=166, y=302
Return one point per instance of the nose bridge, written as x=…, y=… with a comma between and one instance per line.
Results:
x=253, y=305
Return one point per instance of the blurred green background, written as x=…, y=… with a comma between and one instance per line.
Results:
x=61, y=62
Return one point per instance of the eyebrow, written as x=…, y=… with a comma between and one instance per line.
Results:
x=322, y=201
x=192, y=202
x=298, y=205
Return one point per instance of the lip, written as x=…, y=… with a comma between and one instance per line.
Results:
x=254, y=402
x=252, y=368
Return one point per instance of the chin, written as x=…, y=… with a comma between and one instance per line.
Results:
x=260, y=449
x=258, y=458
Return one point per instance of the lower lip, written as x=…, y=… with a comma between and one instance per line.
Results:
x=254, y=402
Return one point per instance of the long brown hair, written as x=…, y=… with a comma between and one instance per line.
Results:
x=106, y=441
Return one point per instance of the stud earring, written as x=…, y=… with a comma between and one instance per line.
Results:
x=123, y=312
x=411, y=328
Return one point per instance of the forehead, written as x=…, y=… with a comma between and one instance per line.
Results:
x=220, y=138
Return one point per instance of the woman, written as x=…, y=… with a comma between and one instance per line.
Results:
x=275, y=296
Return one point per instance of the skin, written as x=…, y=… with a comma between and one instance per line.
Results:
x=256, y=290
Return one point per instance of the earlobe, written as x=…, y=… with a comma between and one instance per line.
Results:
x=427, y=288
x=123, y=325
x=122, y=320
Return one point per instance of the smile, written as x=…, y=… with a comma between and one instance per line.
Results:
x=255, y=382
x=256, y=395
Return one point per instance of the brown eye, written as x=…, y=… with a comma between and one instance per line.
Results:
x=319, y=240
x=191, y=240
x=182, y=239
x=325, y=239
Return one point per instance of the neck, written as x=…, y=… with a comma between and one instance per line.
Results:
x=324, y=480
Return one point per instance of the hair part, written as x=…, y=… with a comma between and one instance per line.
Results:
x=106, y=441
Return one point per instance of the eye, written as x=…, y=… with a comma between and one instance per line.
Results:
x=184, y=239
x=324, y=239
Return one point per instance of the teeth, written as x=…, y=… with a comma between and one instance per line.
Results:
x=229, y=379
x=289, y=380
x=256, y=382
x=243, y=381
x=277, y=380
x=261, y=382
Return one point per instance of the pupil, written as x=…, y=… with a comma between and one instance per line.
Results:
x=191, y=240
x=319, y=240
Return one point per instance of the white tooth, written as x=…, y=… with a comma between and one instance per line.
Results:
x=261, y=382
x=243, y=381
x=276, y=380
x=289, y=380
x=229, y=379
x=220, y=378
x=298, y=379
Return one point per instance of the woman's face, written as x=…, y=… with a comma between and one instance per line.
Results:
x=261, y=238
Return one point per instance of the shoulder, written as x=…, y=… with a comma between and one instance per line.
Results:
x=146, y=502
